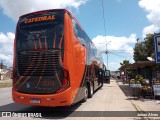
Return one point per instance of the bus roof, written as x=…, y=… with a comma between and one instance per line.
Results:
x=42, y=11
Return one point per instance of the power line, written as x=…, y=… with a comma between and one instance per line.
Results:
x=121, y=56
x=104, y=21
x=105, y=32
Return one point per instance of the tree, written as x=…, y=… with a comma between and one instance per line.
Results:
x=149, y=43
x=125, y=62
x=140, y=52
x=144, y=49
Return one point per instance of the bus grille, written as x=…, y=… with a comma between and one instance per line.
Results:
x=38, y=63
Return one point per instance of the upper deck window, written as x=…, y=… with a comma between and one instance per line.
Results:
x=38, y=31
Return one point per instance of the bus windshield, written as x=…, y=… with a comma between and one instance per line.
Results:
x=41, y=30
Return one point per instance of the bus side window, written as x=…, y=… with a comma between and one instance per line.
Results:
x=78, y=32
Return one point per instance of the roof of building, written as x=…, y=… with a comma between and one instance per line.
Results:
x=139, y=64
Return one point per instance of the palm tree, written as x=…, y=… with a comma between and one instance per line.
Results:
x=125, y=62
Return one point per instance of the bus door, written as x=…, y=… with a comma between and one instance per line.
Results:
x=107, y=76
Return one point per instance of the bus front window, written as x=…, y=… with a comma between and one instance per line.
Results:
x=39, y=32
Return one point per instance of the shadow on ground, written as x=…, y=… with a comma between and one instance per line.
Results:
x=125, y=88
x=128, y=91
x=46, y=112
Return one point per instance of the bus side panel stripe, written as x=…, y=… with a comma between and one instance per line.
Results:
x=18, y=80
x=35, y=46
x=39, y=81
x=54, y=41
x=24, y=82
x=54, y=45
x=46, y=46
x=60, y=47
x=40, y=44
x=79, y=96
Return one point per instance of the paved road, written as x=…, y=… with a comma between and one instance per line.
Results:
x=109, y=98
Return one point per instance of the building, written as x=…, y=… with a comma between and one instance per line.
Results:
x=4, y=72
x=148, y=69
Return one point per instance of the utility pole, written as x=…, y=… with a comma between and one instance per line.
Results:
x=107, y=52
x=105, y=31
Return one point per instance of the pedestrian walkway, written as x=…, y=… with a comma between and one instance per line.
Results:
x=109, y=100
x=116, y=99
x=141, y=104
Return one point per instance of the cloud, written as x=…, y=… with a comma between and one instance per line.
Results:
x=152, y=7
x=17, y=8
x=115, y=43
x=6, y=48
x=150, y=29
x=119, y=48
x=113, y=66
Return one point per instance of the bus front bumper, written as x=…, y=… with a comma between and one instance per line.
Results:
x=64, y=98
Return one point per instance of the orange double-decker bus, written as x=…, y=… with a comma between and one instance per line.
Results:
x=55, y=63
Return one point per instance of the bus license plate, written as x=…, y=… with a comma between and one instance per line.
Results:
x=35, y=100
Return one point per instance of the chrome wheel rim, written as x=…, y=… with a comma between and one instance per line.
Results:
x=86, y=92
x=91, y=89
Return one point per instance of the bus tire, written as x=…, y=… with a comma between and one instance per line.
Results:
x=85, y=94
x=90, y=90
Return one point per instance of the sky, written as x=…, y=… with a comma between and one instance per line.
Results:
x=125, y=21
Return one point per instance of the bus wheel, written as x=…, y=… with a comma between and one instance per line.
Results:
x=85, y=94
x=90, y=90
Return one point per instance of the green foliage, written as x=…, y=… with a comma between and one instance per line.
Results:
x=125, y=62
x=144, y=49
